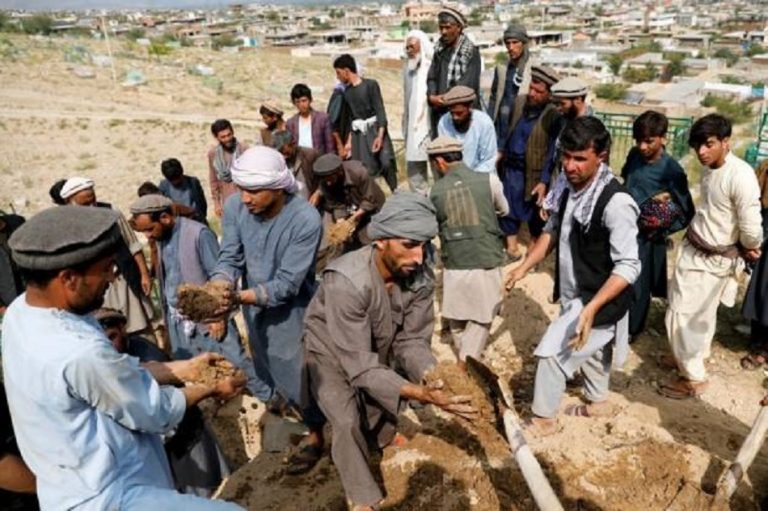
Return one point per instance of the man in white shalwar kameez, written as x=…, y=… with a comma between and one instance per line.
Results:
x=594, y=230
x=418, y=50
x=725, y=231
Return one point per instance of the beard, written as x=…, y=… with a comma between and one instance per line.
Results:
x=414, y=63
x=230, y=148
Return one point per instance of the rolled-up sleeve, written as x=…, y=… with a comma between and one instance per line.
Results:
x=620, y=217
x=117, y=386
x=500, y=204
x=349, y=329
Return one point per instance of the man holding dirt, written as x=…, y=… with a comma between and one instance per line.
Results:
x=468, y=205
x=270, y=239
x=594, y=230
x=371, y=321
x=725, y=230
x=188, y=253
x=89, y=420
x=348, y=196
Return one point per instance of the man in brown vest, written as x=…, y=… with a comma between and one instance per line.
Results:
x=528, y=146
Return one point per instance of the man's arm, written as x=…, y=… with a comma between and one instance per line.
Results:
x=15, y=475
x=411, y=345
x=213, y=179
x=500, y=204
x=231, y=258
x=115, y=385
x=746, y=200
x=620, y=217
x=294, y=266
x=486, y=146
x=543, y=246
x=494, y=92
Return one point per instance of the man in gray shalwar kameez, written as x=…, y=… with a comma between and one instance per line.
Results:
x=594, y=231
x=373, y=313
x=188, y=253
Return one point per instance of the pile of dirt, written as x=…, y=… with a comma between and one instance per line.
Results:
x=459, y=383
x=201, y=303
x=217, y=370
x=340, y=232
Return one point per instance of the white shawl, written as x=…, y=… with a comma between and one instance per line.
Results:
x=416, y=114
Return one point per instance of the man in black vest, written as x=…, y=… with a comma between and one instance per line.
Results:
x=594, y=231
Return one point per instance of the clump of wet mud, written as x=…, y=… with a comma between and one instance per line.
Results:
x=201, y=303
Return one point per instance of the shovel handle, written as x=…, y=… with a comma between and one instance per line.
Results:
x=534, y=476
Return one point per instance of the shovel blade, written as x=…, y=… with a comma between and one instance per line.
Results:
x=497, y=391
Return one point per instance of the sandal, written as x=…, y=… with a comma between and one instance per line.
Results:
x=668, y=361
x=583, y=411
x=754, y=361
x=683, y=389
x=304, y=460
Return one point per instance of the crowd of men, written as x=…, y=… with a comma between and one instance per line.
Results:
x=336, y=282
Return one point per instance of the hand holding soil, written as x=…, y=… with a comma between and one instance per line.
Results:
x=340, y=231
x=208, y=302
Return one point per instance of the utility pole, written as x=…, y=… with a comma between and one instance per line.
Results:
x=109, y=49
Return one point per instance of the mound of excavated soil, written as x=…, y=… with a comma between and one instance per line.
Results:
x=200, y=303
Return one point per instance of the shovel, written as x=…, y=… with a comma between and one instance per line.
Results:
x=509, y=424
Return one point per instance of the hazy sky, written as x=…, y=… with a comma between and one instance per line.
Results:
x=113, y=4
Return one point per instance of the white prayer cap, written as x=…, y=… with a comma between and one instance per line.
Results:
x=263, y=168
x=74, y=185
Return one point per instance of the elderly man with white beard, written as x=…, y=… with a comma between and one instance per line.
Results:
x=418, y=50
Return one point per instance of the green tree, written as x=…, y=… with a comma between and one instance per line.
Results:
x=727, y=55
x=638, y=75
x=38, y=24
x=428, y=26
x=406, y=24
x=754, y=49
x=224, y=40
x=675, y=66
x=615, y=62
x=611, y=91
x=158, y=48
x=273, y=17
x=135, y=33
x=737, y=111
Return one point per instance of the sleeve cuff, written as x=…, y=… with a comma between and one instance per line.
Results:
x=178, y=404
x=384, y=386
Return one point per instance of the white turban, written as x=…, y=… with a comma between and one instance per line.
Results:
x=75, y=185
x=263, y=168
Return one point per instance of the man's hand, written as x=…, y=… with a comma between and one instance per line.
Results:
x=228, y=300
x=751, y=255
x=376, y=146
x=217, y=329
x=540, y=192
x=229, y=387
x=192, y=369
x=513, y=276
x=146, y=283
x=544, y=214
x=314, y=199
x=764, y=401
x=436, y=100
x=457, y=405
x=583, y=328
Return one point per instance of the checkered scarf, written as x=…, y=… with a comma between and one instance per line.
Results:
x=457, y=66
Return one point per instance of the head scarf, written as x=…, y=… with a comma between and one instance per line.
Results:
x=426, y=48
x=263, y=168
x=75, y=185
x=405, y=215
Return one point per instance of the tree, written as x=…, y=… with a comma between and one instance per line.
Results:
x=38, y=24
x=638, y=75
x=428, y=26
x=615, y=62
x=675, y=66
x=737, y=111
x=754, y=49
x=135, y=33
x=273, y=17
x=611, y=91
x=727, y=55
x=406, y=24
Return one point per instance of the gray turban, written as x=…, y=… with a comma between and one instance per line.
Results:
x=405, y=215
x=65, y=236
x=516, y=32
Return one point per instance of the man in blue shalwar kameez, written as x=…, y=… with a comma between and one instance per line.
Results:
x=88, y=419
x=270, y=238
